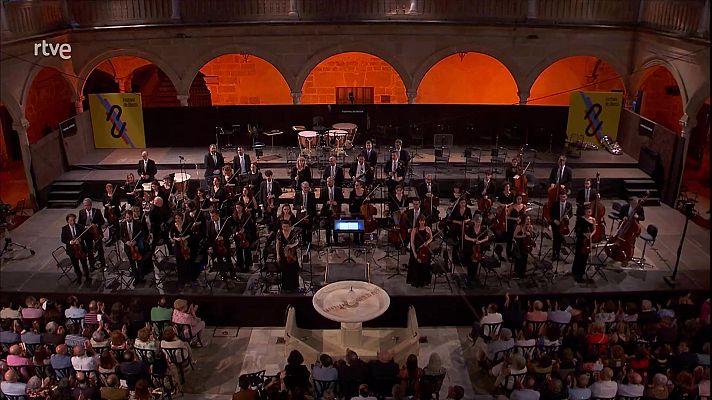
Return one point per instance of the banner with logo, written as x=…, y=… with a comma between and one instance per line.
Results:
x=117, y=120
x=593, y=115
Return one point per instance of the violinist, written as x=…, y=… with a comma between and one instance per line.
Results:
x=213, y=162
x=134, y=235
x=286, y=249
x=254, y=179
x=370, y=155
x=332, y=197
x=87, y=217
x=456, y=193
x=514, y=169
x=561, y=211
x=229, y=177
x=218, y=235
x=269, y=189
x=305, y=203
x=196, y=219
x=356, y=198
x=300, y=173
x=285, y=214
x=334, y=171
x=524, y=237
x=476, y=235
x=394, y=170
x=506, y=197
x=76, y=247
x=486, y=187
x=180, y=236
x=361, y=171
x=218, y=194
x=203, y=200
x=585, y=228
x=513, y=214
x=245, y=231
x=248, y=201
x=419, y=264
x=146, y=168
x=585, y=195
x=398, y=201
x=132, y=190
x=561, y=175
x=168, y=191
x=111, y=211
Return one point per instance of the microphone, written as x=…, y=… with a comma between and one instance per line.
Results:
x=182, y=158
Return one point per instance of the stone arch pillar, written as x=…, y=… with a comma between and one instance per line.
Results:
x=21, y=128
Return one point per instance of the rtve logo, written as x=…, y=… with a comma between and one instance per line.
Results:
x=63, y=50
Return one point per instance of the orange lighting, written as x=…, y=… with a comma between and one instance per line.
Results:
x=49, y=102
x=661, y=98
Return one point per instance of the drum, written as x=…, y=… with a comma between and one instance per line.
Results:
x=308, y=140
x=350, y=132
x=180, y=181
x=337, y=138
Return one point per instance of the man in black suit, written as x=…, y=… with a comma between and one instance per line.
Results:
x=213, y=164
x=486, y=186
x=70, y=232
x=334, y=171
x=412, y=215
x=561, y=174
x=241, y=162
x=586, y=195
x=135, y=233
x=146, y=168
x=331, y=196
x=361, y=171
x=305, y=204
x=634, y=208
x=428, y=188
x=159, y=215
x=370, y=155
x=221, y=255
x=269, y=188
x=403, y=155
x=92, y=216
x=394, y=170
x=561, y=212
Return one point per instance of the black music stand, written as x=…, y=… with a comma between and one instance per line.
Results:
x=349, y=226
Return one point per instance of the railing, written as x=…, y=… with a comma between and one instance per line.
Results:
x=21, y=18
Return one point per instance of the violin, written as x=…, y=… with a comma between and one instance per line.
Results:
x=95, y=232
x=241, y=239
x=621, y=246
x=529, y=243
x=135, y=253
x=564, y=228
x=290, y=251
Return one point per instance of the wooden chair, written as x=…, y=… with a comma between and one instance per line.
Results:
x=185, y=333
x=180, y=359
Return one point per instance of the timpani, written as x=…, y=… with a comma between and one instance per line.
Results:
x=350, y=133
x=180, y=180
x=308, y=140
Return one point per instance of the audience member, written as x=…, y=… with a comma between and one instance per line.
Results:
x=112, y=390
x=295, y=374
x=11, y=386
x=324, y=369
x=183, y=314
x=363, y=393
x=604, y=387
x=245, y=393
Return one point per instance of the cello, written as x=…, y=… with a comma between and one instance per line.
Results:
x=599, y=214
x=77, y=248
x=621, y=246
x=368, y=211
x=551, y=196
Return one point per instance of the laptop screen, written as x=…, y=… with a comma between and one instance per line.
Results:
x=352, y=225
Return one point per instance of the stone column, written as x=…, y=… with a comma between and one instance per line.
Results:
x=296, y=97
x=678, y=167
x=79, y=104
x=411, y=96
x=293, y=9
x=183, y=98
x=175, y=8
x=21, y=128
x=532, y=9
x=4, y=27
x=67, y=14
x=523, y=98
x=704, y=25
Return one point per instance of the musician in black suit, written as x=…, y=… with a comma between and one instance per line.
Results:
x=403, y=155
x=305, y=203
x=633, y=208
x=241, y=162
x=331, y=196
x=213, y=163
x=412, y=215
x=88, y=216
x=135, y=233
x=269, y=188
x=334, y=171
x=221, y=254
x=243, y=222
x=585, y=195
x=159, y=215
x=131, y=190
x=486, y=187
x=370, y=155
x=394, y=170
x=561, y=174
x=69, y=237
x=561, y=211
x=146, y=168
x=428, y=188
x=361, y=171
x=112, y=215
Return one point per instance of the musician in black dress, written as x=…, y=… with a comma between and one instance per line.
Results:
x=245, y=231
x=458, y=216
x=218, y=235
x=218, y=194
x=356, y=198
x=132, y=191
x=524, y=238
x=419, y=272
x=254, y=179
x=287, y=241
x=92, y=216
x=196, y=221
x=248, y=201
x=584, y=229
x=394, y=170
x=506, y=197
x=134, y=235
x=514, y=213
x=203, y=200
x=561, y=212
x=112, y=214
x=457, y=192
x=398, y=201
x=179, y=235
x=76, y=246
x=331, y=196
x=476, y=236
x=513, y=169
x=300, y=173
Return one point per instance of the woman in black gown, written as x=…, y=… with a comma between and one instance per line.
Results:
x=419, y=270
x=514, y=213
x=524, y=236
x=180, y=235
x=300, y=173
x=356, y=197
x=585, y=228
x=288, y=240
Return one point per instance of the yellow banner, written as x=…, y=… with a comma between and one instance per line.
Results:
x=593, y=115
x=117, y=120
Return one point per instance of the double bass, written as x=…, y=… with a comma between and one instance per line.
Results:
x=520, y=184
x=368, y=211
x=77, y=248
x=500, y=220
x=599, y=214
x=621, y=246
x=551, y=197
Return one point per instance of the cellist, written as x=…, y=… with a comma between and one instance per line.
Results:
x=476, y=234
x=585, y=228
x=513, y=170
x=513, y=214
x=244, y=225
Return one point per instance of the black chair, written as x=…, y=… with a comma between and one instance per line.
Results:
x=431, y=384
x=550, y=349
x=118, y=354
x=180, y=359
x=146, y=355
x=502, y=355
x=491, y=330
x=526, y=351
x=15, y=397
x=185, y=333
x=511, y=382
x=5, y=346
x=74, y=321
x=23, y=372
x=562, y=326
x=614, y=215
x=44, y=371
x=164, y=386
x=159, y=326
x=61, y=373
x=440, y=268
x=64, y=264
x=472, y=160
x=321, y=386
x=256, y=380
x=490, y=264
x=649, y=236
x=104, y=376
x=629, y=397
x=534, y=328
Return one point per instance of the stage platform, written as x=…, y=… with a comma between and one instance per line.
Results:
x=38, y=275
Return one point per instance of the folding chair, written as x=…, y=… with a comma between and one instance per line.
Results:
x=64, y=264
x=185, y=333
x=180, y=359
